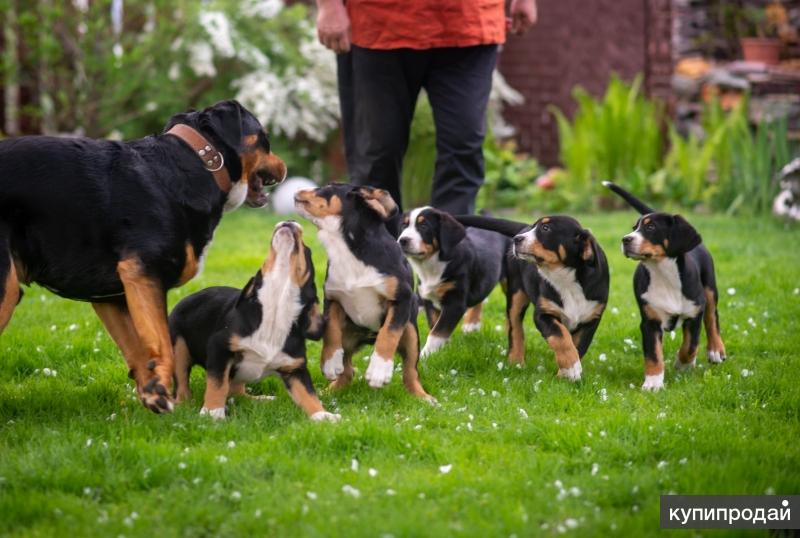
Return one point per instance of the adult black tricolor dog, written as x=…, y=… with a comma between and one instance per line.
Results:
x=119, y=223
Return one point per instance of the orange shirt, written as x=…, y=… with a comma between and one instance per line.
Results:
x=426, y=24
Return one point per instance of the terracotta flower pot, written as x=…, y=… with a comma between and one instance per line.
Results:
x=759, y=49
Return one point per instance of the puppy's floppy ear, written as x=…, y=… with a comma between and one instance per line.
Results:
x=587, y=246
x=682, y=237
x=451, y=233
x=251, y=288
x=225, y=120
x=378, y=200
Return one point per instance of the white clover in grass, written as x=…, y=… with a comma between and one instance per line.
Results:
x=417, y=427
x=222, y=459
x=661, y=464
x=662, y=414
x=522, y=413
x=390, y=492
x=614, y=310
x=575, y=491
x=181, y=465
x=595, y=469
x=498, y=328
x=602, y=357
x=571, y=523
x=196, y=480
x=53, y=328
x=40, y=349
x=453, y=372
x=469, y=426
x=312, y=495
x=746, y=373
x=494, y=424
x=682, y=461
x=89, y=442
x=372, y=472
x=444, y=469
x=500, y=365
x=354, y=465
x=602, y=433
x=236, y=496
x=347, y=489
x=231, y=444
x=731, y=291
x=257, y=513
x=603, y=395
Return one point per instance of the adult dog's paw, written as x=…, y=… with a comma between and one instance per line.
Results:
x=573, y=373
x=379, y=371
x=218, y=413
x=334, y=366
x=653, y=383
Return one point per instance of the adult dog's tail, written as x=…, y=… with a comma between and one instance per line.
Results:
x=505, y=227
x=637, y=204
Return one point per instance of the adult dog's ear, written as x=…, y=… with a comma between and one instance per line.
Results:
x=587, y=246
x=378, y=200
x=451, y=233
x=682, y=237
x=224, y=119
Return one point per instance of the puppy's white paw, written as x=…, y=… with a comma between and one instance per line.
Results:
x=681, y=366
x=324, y=416
x=218, y=413
x=715, y=357
x=334, y=366
x=379, y=371
x=573, y=373
x=653, y=382
x=470, y=327
x=432, y=345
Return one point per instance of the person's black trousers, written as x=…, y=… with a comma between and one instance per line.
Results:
x=378, y=90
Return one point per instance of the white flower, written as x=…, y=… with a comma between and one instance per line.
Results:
x=218, y=28
x=89, y=442
x=523, y=413
x=682, y=461
x=265, y=9
x=575, y=491
x=500, y=365
x=354, y=465
x=181, y=465
x=731, y=291
x=571, y=523
x=347, y=489
x=201, y=59
x=661, y=464
x=614, y=310
x=231, y=444
x=222, y=459
x=372, y=472
x=236, y=496
x=746, y=372
x=595, y=468
x=603, y=395
x=602, y=357
x=390, y=492
x=311, y=495
x=444, y=469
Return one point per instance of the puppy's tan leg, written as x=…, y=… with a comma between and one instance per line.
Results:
x=183, y=369
x=516, y=306
x=569, y=364
x=653, y=355
x=472, y=319
x=351, y=343
x=217, y=390
x=381, y=363
x=409, y=350
x=691, y=338
x=332, y=358
x=716, y=348
x=9, y=290
x=147, y=306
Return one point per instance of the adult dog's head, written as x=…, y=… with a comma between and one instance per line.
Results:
x=243, y=142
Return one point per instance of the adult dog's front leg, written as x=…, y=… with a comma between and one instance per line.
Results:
x=146, y=300
x=560, y=340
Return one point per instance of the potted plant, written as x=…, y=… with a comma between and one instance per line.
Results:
x=759, y=33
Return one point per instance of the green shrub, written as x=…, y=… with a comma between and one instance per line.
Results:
x=617, y=137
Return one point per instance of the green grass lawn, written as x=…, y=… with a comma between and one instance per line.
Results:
x=530, y=454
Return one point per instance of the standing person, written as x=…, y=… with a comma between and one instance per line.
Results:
x=387, y=51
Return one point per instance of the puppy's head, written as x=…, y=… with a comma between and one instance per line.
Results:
x=660, y=235
x=243, y=143
x=556, y=241
x=427, y=231
x=329, y=204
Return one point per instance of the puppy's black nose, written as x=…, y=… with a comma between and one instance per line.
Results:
x=518, y=239
x=627, y=240
x=403, y=241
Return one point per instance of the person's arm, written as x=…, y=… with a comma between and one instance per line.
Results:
x=523, y=15
x=333, y=25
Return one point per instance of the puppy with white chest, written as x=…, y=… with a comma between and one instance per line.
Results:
x=560, y=268
x=368, y=287
x=674, y=284
x=457, y=269
x=242, y=336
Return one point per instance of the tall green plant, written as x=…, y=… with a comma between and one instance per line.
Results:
x=617, y=136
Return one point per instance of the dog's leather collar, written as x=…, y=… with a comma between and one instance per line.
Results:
x=213, y=161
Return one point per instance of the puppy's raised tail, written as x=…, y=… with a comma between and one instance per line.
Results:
x=634, y=202
x=505, y=227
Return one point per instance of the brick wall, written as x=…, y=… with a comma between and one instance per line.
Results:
x=582, y=42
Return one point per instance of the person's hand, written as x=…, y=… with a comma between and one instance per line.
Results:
x=333, y=25
x=523, y=15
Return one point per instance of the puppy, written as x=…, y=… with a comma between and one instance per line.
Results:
x=674, y=284
x=242, y=336
x=368, y=287
x=560, y=268
x=457, y=269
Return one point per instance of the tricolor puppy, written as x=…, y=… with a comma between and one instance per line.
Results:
x=457, y=269
x=561, y=269
x=368, y=287
x=242, y=336
x=674, y=284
